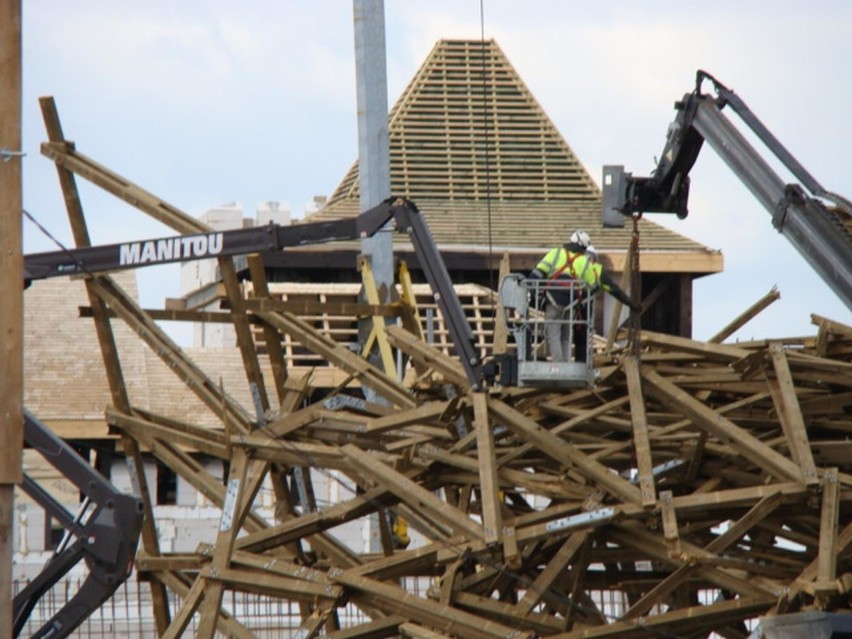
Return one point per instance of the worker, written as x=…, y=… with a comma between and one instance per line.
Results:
x=573, y=262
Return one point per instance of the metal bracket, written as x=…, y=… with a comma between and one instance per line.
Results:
x=7, y=154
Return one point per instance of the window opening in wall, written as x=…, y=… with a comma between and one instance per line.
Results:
x=166, y=485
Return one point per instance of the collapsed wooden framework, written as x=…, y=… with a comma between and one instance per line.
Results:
x=701, y=484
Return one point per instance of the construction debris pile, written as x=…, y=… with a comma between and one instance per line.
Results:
x=696, y=486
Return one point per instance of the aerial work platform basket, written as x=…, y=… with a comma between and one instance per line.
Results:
x=524, y=303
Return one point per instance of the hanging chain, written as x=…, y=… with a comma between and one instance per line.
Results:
x=635, y=287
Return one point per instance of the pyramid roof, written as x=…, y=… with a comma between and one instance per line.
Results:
x=473, y=148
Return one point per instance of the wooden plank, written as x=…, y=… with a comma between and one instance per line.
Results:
x=829, y=519
x=710, y=351
x=314, y=623
x=122, y=188
x=746, y=316
x=635, y=536
x=385, y=627
x=694, y=619
x=489, y=485
x=415, y=631
x=642, y=445
x=314, y=522
x=245, y=341
x=272, y=340
x=170, y=353
x=790, y=413
x=668, y=515
x=501, y=331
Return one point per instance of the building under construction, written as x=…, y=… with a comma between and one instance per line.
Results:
x=334, y=459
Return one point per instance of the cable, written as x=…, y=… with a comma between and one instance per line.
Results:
x=61, y=246
x=487, y=128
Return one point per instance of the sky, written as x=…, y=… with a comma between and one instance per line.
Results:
x=210, y=102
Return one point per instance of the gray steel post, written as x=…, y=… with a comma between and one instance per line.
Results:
x=373, y=144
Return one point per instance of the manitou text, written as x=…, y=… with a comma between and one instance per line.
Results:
x=173, y=248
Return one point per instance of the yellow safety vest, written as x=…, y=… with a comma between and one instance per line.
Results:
x=562, y=263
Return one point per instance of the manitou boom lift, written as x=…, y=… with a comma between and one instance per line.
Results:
x=819, y=232
x=119, y=516
x=276, y=237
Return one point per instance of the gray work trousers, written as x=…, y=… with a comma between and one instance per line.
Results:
x=557, y=332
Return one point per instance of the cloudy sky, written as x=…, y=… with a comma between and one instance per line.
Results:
x=209, y=102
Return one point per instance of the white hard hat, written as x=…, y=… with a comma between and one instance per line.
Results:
x=582, y=238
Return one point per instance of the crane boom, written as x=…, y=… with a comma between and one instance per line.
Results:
x=822, y=233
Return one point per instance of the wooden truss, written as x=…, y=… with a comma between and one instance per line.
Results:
x=696, y=486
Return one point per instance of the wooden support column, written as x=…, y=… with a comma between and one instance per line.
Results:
x=501, y=332
x=11, y=292
x=112, y=362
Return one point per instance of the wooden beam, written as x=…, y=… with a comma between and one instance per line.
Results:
x=746, y=316
x=668, y=515
x=790, y=414
x=501, y=331
x=11, y=292
x=829, y=518
x=237, y=501
x=641, y=444
x=122, y=188
x=271, y=337
x=110, y=356
x=428, y=355
x=489, y=485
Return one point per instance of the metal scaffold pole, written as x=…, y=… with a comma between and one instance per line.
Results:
x=11, y=294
